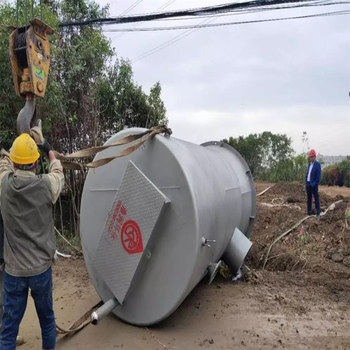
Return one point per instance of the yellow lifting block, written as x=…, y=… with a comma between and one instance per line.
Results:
x=30, y=58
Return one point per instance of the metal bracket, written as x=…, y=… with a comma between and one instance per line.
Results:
x=205, y=242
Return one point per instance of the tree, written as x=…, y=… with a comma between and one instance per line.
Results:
x=250, y=149
x=275, y=148
x=262, y=151
x=124, y=104
x=300, y=164
x=88, y=97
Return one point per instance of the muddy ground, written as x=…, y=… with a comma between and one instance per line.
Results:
x=301, y=300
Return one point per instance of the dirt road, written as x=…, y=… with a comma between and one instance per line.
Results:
x=270, y=311
x=332, y=191
x=300, y=302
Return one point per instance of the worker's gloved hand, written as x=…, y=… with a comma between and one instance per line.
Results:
x=44, y=147
x=36, y=133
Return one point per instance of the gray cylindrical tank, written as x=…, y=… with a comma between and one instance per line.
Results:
x=187, y=194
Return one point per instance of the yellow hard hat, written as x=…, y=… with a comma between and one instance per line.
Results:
x=24, y=150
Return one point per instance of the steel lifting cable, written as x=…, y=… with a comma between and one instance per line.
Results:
x=17, y=14
x=26, y=12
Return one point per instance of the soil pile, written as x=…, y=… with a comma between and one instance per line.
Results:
x=316, y=245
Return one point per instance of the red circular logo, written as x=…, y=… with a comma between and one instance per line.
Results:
x=131, y=237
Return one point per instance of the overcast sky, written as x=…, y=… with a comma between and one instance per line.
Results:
x=285, y=77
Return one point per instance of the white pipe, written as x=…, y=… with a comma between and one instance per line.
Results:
x=104, y=310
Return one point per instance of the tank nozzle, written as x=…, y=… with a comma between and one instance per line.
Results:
x=205, y=242
x=104, y=310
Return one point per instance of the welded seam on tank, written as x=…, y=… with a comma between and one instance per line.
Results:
x=231, y=188
x=117, y=189
x=169, y=188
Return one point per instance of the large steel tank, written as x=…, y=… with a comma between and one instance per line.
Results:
x=154, y=223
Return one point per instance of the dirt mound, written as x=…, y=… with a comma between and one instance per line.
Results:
x=315, y=243
x=294, y=190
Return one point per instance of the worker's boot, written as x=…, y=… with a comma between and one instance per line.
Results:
x=19, y=341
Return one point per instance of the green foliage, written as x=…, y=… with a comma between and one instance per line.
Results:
x=88, y=98
x=124, y=104
x=250, y=149
x=289, y=169
x=89, y=94
x=267, y=154
x=43, y=165
x=337, y=174
x=344, y=172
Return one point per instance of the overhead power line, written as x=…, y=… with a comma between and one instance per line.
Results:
x=139, y=23
x=255, y=10
x=202, y=25
x=187, y=13
x=152, y=29
x=172, y=41
x=112, y=2
x=325, y=137
x=130, y=8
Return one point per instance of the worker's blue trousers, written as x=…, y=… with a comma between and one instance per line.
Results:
x=15, y=303
x=312, y=191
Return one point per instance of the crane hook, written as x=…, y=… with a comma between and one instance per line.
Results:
x=27, y=116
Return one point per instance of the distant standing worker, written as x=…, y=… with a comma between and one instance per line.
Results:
x=312, y=179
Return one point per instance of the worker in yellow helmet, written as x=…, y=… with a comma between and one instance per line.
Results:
x=29, y=241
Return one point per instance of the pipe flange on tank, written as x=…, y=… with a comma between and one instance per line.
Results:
x=205, y=242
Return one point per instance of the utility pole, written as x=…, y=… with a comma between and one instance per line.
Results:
x=305, y=140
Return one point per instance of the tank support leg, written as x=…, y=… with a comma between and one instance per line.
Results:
x=236, y=251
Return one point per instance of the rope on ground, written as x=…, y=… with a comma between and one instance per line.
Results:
x=82, y=322
x=261, y=193
x=68, y=163
x=158, y=341
x=277, y=199
x=270, y=205
x=331, y=207
x=66, y=240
